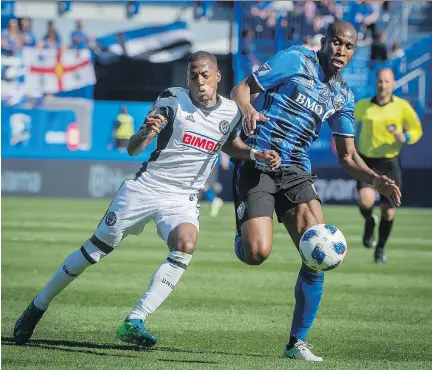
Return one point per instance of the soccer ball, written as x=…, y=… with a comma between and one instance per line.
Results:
x=323, y=247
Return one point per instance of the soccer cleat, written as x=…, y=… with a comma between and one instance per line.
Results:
x=368, y=235
x=216, y=206
x=380, y=256
x=134, y=331
x=26, y=324
x=301, y=351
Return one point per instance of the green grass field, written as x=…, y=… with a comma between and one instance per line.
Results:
x=223, y=314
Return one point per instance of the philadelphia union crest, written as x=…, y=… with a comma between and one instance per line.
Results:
x=111, y=219
x=224, y=127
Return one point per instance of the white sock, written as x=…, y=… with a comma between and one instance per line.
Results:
x=162, y=284
x=71, y=268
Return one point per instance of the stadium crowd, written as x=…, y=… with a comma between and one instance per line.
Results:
x=19, y=34
x=305, y=21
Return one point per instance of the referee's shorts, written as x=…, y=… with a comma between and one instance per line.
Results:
x=390, y=167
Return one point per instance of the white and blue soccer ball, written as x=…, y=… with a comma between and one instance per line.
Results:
x=323, y=247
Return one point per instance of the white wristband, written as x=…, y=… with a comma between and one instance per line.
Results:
x=252, y=154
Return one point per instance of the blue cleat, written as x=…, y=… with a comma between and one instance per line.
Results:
x=26, y=324
x=133, y=331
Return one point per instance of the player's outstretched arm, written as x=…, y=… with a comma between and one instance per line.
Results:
x=357, y=168
x=145, y=135
x=238, y=149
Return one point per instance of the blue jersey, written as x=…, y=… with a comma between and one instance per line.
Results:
x=297, y=98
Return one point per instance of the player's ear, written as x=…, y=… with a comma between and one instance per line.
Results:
x=323, y=39
x=219, y=76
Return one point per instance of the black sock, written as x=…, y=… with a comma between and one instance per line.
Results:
x=292, y=341
x=366, y=212
x=385, y=227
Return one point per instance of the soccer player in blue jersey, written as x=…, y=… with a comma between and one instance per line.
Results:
x=298, y=90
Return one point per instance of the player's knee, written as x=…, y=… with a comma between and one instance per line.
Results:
x=256, y=252
x=185, y=245
x=366, y=202
x=366, y=198
x=95, y=249
x=388, y=213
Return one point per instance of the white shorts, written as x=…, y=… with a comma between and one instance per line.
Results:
x=135, y=205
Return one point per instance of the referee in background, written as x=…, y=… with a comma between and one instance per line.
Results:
x=384, y=124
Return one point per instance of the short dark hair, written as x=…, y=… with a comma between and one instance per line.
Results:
x=199, y=55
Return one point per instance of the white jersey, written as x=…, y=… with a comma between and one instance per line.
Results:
x=189, y=144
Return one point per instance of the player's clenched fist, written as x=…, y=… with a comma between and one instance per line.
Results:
x=154, y=123
x=250, y=118
x=388, y=188
x=269, y=157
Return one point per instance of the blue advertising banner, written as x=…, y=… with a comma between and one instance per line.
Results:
x=40, y=133
x=37, y=130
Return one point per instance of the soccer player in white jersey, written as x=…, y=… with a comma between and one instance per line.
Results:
x=192, y=127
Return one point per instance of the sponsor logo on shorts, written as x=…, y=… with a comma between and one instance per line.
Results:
x=224, y=127
x=200, y=142
x=240, y=210
x=111, y=219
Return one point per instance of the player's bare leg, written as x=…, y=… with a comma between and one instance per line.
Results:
x=181, y=243
x=256, y=240
x=385, y=227
x=366, y=203
x=309, y=287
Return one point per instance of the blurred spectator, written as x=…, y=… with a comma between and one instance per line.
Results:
x=51, y=40
x=250, y=60
x=79, y=39
x=280, y=10
x=27, y=36
x=386, y=11
x=11, y=42
x=307, y=42
x=309, y=9
x=261, y=9
x=52, y=32
x=378, y=49
x=368, y=13
x=329, y=12
x=396, y=51
x=123, y=130
x=316, y=42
